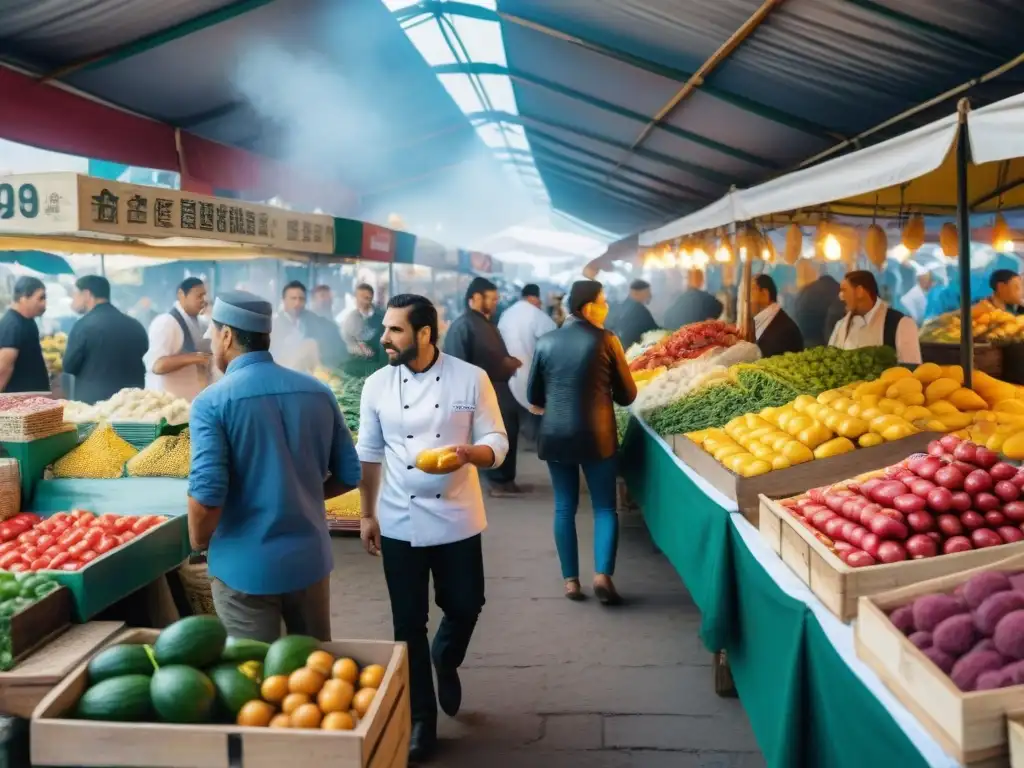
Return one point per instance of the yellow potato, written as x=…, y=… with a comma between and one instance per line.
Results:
x=437, y=461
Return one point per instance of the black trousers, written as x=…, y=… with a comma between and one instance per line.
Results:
x=458, y=571
x=509, y=407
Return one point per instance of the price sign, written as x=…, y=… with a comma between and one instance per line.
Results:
x=39, y=203
x=21, y=200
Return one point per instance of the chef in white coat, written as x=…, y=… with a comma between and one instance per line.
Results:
x=520, y=326
x=427, y=524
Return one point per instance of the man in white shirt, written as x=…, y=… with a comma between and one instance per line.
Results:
x=870, y=322
x=520, y=326
x=420, y=523
x=178, y=360
x=915, y=301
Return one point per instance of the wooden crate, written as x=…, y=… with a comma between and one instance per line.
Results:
x=22, y=688
x=987, y=358
x=380, y=741
x=39, y=623
x=839, y=586
x=783, y=483
x=1015, y=733
x=972, y=727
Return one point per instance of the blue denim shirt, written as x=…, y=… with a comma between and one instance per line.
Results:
x=264, y=439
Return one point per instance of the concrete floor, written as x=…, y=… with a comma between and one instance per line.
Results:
x=554, y=684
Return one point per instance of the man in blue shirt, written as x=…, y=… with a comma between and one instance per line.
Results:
x=268, y=445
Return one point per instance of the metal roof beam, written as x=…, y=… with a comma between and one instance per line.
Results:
x=156, y=39
x=697, y=79
x=751, y=106
x=697, y=170
x=644, y=211
x=480, y=68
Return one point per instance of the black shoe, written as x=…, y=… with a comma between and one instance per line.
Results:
x=422, y=742
x=449, y=691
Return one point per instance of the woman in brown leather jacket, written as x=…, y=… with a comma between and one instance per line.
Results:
x=578, y=371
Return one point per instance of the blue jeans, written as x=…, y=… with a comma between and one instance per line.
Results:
x=565, y=479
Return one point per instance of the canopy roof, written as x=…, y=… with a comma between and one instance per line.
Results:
x=634, y=111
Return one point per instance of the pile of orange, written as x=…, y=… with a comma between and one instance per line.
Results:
x=328, y=693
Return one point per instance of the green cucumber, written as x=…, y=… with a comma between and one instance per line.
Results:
x=240, y=649
x=196, y=641
x=119, y=660
x=234, y=689
x=124, y=699
x=288, y=654
x=182, y=694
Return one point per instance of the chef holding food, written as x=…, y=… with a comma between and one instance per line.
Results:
x=432, y=420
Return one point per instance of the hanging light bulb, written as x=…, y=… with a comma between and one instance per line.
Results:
x=685, y=260
x=831, y=248
x=724, y=253
x=901, y=253
x=700, y=258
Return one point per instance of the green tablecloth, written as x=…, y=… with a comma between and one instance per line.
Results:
x=35, y=456
x=806, y=706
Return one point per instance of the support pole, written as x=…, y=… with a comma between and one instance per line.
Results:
x=963, y=230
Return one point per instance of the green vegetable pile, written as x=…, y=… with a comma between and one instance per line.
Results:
x=351, y=393
x=770, y=383
x=622, y=416
x=16, y=594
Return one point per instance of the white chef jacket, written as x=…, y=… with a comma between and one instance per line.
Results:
x=166, y=339
x=869, y=330
x=916, y=303
x=403, y=413
x=520, y=326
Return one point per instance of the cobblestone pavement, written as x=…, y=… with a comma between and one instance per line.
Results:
x=553, y=684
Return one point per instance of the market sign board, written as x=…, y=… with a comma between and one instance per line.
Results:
x=378, y=243
x=68, y=203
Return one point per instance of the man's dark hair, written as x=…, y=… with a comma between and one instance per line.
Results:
x=294, y=284
x=248, y=341
x=322, y=289
x=188, y=284
x=531, y=290
x=765, y=283
x=1001, y=276
x=97, y=285
x=479, y=285
x=639, y=285
x=861, y=278
x=365, y=287
x=422, y=312
x=27, y=286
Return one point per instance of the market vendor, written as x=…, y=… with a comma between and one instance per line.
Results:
x=22, y=367
x=775, y=331
x=268, y=446
x=178, y=360
x=694, y=305
x=870, y=322
x=1007, y=291
x=632, y=319
x=302, y=340
x=362, y=327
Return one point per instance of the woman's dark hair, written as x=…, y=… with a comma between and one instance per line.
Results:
x=765, y=283
x=422, y=313
x=861, y=278
x=479, y=285
x=188, y=284
x=248, y=340
x=27, y=286
x=97, y=285
x=294, y=284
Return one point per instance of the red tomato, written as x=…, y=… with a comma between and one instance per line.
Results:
x=106, y=544
x=126, y=537
x=29, y=537
x=9, y=559
x=44, y=541
x=59, y=560
x=88, y=557
x=72, y=537
x=93, y=537
x=8, y=546
x=141, y=526
x=60, y=517
x=53, y=551
x=21, y=524
x=18, y=568
x=29, y=557
x=7, y=531
x=39, y=564
x=78, y=549
x=71, y=565
x=124, y=523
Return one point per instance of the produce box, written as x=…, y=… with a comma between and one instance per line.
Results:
x=22, y=688
x=840, y=586
x=137, y=433
x=381, y=740
x=38, y=623
x=120, y=572
x=972, y=727
x=987, y=358
x=123, y=496
x=782, y=483
x=1015, y=730
x=35, y=456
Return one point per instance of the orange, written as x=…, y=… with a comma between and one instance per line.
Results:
x=363, y=699
x=321, y=661
x=338, y=721
x=372, y=676
x=256, y=713
x=306, y=680
x=335, y=696
x=346, y=669
x=306, y=716
x=293, y=701
x=281, y=721
x=274, y=689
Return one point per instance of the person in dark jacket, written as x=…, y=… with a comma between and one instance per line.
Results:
x=694, y=305
x=474, y=337
x=578, y=372
x=817, y=310
x=632, y=319
x=775, y=331
x=105, y=347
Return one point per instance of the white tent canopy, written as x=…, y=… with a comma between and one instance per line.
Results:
x=997, y=131
x=720, y=213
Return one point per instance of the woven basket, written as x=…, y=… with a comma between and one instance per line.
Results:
x=195, y=578
x=23, y=427
x=10, y=488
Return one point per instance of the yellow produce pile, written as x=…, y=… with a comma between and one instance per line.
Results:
x=988, y=324
x=346, y=506
x=643, y=378
x=898, y=404
x=101, y=456
x=167, y=456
